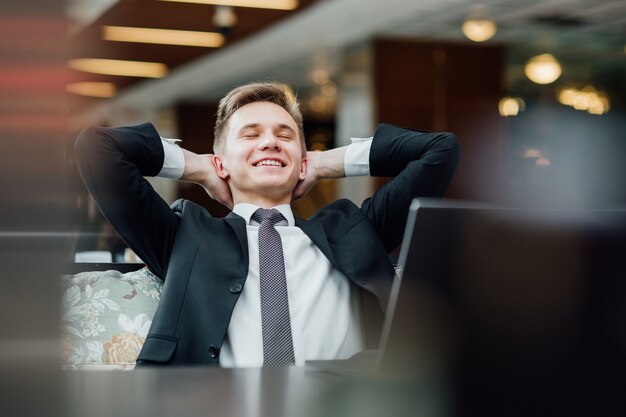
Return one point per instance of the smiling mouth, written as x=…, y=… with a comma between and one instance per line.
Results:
x=269, y=163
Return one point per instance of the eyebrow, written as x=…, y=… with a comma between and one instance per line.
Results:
x=249, y=126
x=286, y=127
x=279, y=126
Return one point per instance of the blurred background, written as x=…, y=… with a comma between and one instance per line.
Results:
x=534, y=89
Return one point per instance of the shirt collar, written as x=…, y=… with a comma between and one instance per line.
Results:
x=246, y=210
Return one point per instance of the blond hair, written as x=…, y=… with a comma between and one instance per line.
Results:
x=270, y=92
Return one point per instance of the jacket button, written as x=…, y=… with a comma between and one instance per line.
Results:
x=213, y=351
x=236, y=289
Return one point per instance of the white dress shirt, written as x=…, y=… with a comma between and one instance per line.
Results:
x=324, y=305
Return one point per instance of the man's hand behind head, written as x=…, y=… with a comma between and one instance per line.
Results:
x=304, y=186
x=322, y=165
x=200, y=170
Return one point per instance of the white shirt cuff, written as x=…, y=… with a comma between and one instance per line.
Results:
x=174, y=161
x=356, y=161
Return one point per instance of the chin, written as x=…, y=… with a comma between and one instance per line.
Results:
x=275, y=184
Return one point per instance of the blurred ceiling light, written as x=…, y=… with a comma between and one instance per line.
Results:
x=92, y=89
x=588, y=99
x=224, y=17
x=329, y=89
x=510, y=106
x=543, y=69
x=119, y=67
x=542, y=162
x=598, y=105
x=582, y=101
x=478, y=27
x=162, y=36
x=567, y=96
x=532, y=153
x=479, y=30
x=259, y=4
x=320, y=76
x=318, y=104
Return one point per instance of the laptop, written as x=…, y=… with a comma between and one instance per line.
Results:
x=507, y=307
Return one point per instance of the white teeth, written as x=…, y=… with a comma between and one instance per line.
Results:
x=268, y=162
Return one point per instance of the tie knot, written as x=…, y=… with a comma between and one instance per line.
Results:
x=272, y=215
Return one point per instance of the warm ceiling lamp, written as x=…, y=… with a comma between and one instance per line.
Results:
x=162, y=36
x=258, y=4
x=479, y=30
x=532, y=153
x=478, y=27
x=118, y=67
x=588, y=99
x=320, y=76
x=543, y=69
x=92, y=89
x=510, y=106
x=224, y=17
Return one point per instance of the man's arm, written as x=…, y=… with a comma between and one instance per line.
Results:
x=421, y=164
x=112, y=163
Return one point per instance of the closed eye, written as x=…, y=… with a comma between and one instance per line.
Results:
x=285, y=134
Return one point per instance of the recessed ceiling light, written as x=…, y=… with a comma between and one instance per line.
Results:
x=479, y=30
x=224, y=17
x=259, y=4
x=543, y=69
x=92, y=89
x=478, y=26
x=510, y=106
x=162, y=36
x=118, y=67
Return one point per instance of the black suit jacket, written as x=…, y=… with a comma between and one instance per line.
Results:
x=204, y=260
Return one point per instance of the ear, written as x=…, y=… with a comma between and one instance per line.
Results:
x=220, y=169
x=303, y=168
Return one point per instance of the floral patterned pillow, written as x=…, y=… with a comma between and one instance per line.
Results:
x=106, y=316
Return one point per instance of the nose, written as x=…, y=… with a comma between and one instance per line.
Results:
x=269, y=141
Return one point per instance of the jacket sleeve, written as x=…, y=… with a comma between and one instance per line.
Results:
x=421, y=164
x=112, y=163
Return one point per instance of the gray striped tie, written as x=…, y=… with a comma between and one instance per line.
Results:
x=276, y=325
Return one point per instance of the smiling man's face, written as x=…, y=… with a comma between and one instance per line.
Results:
x=263, y=155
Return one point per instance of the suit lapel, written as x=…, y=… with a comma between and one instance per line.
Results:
x=239, y=226
x=314, y=230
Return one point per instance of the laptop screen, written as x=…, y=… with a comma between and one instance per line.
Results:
x=509, y=307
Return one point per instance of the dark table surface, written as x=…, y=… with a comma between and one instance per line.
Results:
x=271, y=392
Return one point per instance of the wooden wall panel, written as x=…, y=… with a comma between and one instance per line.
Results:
x=448, y=87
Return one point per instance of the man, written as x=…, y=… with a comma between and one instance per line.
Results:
x=227, y=299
